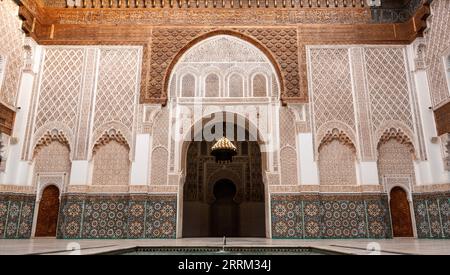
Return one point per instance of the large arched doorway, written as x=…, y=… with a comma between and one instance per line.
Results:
x=400, y=213
x=47, y=220
x=222, y=73
x=224, y=199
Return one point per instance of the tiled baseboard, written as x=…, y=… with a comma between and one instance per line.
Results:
x=335, y=216
x=117, y=216
x=432, y=213
x=16, y=215
x=303, y=216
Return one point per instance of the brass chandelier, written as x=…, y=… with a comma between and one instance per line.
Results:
x=224, y=150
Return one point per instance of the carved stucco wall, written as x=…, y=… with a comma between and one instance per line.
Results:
x=71, y=80
x=388, y=87
x=332, y=87
x=361, y=91
x=52, y=161
x=59, y=92
x=395, y=164
x=53, y=158
x=111, y=164
x=11, y=50
x=437, y=40
x=224, y=66
x=188, y=86
x=160, y=149
x=115, y=101
x=337, y=164
x=288, y=152
x=63, y=93
x=337, y=158
x=331, y=92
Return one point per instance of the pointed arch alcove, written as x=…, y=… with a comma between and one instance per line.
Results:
x=337, y=159
x=52, y=167
x=395, y=161
x=111, y=159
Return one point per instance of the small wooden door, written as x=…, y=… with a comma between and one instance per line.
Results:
x=401, y=213
x=47, y=220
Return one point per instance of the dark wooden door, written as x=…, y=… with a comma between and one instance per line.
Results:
x=400, y=213
x=224, y=211
x=48, y=213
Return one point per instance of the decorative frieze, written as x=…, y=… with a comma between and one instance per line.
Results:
x=211, y=17
x=49, y=137
x=399, y=136
x=109, y=136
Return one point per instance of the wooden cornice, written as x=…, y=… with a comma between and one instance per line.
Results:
x=132, y=25
x=34, y=17
x=419, y=20
x=7, y=117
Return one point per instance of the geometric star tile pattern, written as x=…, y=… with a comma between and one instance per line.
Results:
x=117, y=217
x=432, y=213
x=330, y=216
x=16, y=216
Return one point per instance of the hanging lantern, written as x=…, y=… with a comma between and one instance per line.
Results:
x=224, y=150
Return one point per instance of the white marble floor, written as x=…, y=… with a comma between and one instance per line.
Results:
x=86, y=247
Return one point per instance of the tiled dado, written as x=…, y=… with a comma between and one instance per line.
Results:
x=16, y=215
x=432, y=213
x=117, y=216
x=330, y=216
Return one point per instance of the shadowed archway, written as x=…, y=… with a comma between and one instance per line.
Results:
x=224, y=198
x=224, y=219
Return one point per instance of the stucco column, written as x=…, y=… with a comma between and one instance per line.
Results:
x=367, y=172
x=309, y=173
x=18, y=170
x=80, y=172
x=430, y=170
x=140, y=165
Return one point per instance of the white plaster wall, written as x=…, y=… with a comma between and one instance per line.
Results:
x=309, y=173
x=80, y=172
x=140, y=165
x=368, y=173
